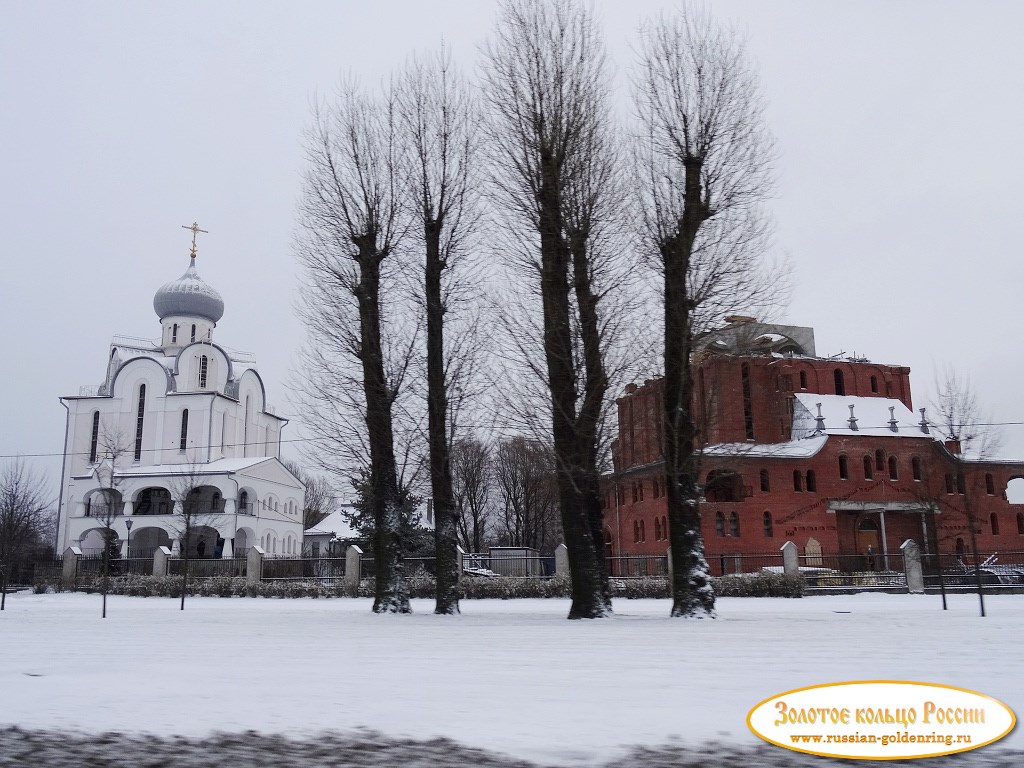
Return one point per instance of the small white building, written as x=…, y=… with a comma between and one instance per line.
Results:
x=179, y=418
x=328, y=537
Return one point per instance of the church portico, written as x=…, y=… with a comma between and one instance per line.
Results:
x=182, y=428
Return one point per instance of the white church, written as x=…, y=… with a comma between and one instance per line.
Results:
x=181, y=420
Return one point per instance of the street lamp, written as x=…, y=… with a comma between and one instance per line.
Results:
x=128, y=537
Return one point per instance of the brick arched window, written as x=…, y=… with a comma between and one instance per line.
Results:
x=961, y=484
x=636, y=532
x=664, y=527
x=769, y=531
x=868, y=469
x=880, y=460
x=874, y=384
x=844, y=467
x=734, y=524
x=657, y=529
x=803, y=379
x=643, y=533
x=915, y=467
x=949, y=483
x=893, y=469
x=765, y=481
x=837, y=375
x=798, y=481
x=719, y=524
x=1020, y=523
x=993, y=520
x=990, y=484
x=812, y=481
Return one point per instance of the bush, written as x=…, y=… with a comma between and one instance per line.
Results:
x=760, y=584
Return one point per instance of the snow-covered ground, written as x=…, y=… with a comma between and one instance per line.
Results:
x=511, y=676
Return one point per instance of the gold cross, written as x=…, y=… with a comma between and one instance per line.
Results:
x=195, y=230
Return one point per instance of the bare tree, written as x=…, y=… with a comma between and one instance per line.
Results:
x=350, y=225
x=438, y=119
x=524, y=473
x=704, y=165
x=472, y=477
x=547, y=89
x=972, y=439
x=25, y=518
x=115, y=447
x=320, y=498
x=195, y=507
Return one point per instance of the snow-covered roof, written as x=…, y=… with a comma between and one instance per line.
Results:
x=873, y=414
x=793, y=449
x=333, y=525
x=218, y=467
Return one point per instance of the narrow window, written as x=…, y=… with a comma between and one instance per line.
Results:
x=960, y=549
x=139, y=422
x=664, y=527
x=243, y=502
x=193, y=331
x=960, y=484
x=949, y=483
x=798, y=481
x=632, y=488
x=643, y=533
x=748, y=410
x=1020, y=523
x=879, y=459
x=769, y=531
x=657, y=529
x=868, y=473
x=840, y=385
x=183, y=440
x=95, y=437
x=719, y=524
x=803, y=379
x=215, y=502
x=994, y=522
x=915, y=467
x=893, y=469
x=734, y=524
x=765, y=481
x=844, y=467
x=990, y=485
x=812, y=482
x=640, y=487
x=174, y=333
x=874, y=384
x=204, y=364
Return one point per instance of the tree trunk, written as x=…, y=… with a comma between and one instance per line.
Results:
x=446, y=560
x=691, y=584
x=391, y=594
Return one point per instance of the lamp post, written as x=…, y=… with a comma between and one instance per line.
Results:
x=128, y=537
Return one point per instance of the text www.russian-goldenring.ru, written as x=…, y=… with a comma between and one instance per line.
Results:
x=885, y=740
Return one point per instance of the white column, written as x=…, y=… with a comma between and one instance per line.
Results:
x=885, y=544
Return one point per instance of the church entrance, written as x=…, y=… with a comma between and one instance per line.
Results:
x=869, y=543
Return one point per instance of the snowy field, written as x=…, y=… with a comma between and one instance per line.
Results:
x=507, y=676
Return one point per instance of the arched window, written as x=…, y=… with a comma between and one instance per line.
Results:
x=879, y=459
x=960, y=549
x=193, y=331
x=868, y=473
x=893, y=469
x=664, y=527
x=243, y=502
x=734, y=524
x=993, y=520
x=990, y=484
x=139, y=422
x=1020, y=523
x=837, y=375
x=812, y=482
x=766, y=519
x=874, y=384
x=183, y=440
x=719, y=524
x=636, y=532
x=765, y=481
x=204, y=365
x=798, y=481
x=640, y=488
x=215, y=502
x=915, y=468
x=657, y=529
x=961, y=485
x=949, y=483
x=643, y=533
x=174, y=334
x=748, y=408
x=803, y=379
x=94, y=441
x=844, y=467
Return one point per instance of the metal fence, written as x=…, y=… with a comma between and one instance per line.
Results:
x=845, y=571
x=509, y=563
x=326, y=570
x=207, y=568
x=995, y=569
x=637, y=566
x=730, y=563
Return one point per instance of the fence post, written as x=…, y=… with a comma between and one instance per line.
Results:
x=668, y=569
x=353, y=569
x=912, y=566
x=160, y=557
x=790, y=559
x=460, y=554
x=561, y=560
x=70, y=573
x=254, y=564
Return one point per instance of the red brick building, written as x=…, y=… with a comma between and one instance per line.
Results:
x=827, y=453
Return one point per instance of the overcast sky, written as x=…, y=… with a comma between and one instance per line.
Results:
x=900, y=157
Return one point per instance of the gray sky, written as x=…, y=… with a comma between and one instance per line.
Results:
x=898, y=127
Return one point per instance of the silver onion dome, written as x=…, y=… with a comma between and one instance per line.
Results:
x=189, y=296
